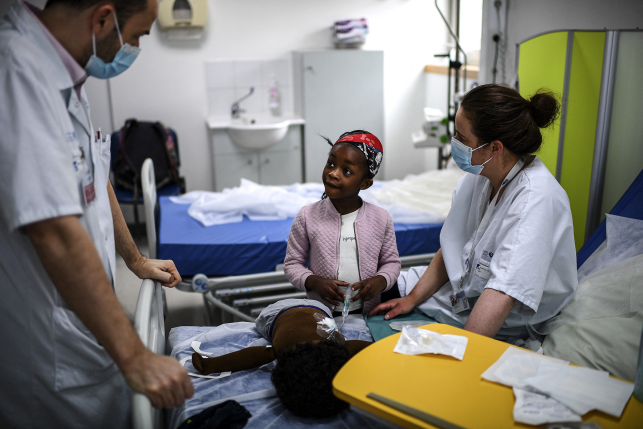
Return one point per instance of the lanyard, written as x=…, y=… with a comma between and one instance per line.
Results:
x=484, y=223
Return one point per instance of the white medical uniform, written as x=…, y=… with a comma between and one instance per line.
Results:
x=527, y=251
x=54, y=372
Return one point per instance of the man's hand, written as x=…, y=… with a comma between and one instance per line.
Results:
x=394, y=307
x=327, y=289
x=369, y=288
x=160, y=378
x=156, y=269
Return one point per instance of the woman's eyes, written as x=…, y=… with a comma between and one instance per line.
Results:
x=347, y=172
x=330, y=163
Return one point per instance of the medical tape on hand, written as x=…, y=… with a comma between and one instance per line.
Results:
x=484, y=223
x=213, y=377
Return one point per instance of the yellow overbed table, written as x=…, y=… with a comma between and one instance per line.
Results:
x=444, y=387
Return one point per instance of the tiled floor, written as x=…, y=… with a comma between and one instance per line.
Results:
x=183, y=308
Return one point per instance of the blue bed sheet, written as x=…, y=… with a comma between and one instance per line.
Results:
x=249, y=246
x=267, y=412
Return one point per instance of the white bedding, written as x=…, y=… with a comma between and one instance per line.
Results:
x=266, y=412
x=421, y=199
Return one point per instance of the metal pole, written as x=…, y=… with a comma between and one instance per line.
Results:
x=602, y=133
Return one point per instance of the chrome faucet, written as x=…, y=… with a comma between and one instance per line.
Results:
x=235, y=106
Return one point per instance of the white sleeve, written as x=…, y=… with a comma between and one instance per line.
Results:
x=37, y=177
x=525, y=245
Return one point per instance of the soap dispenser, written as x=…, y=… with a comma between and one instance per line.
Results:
x=273, y=97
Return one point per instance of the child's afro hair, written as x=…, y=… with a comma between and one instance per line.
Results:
x=303, y=378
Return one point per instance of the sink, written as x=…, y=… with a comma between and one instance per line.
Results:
x=257, y=132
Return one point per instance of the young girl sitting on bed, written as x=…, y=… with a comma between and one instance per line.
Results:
x=342, y=241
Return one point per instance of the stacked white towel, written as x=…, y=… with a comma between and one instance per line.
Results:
x=351, y=32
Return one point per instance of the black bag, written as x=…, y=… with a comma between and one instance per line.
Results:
x=140, y=140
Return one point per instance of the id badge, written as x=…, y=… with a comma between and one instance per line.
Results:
x=459, y=302
x=87, y=184
x=482, y=267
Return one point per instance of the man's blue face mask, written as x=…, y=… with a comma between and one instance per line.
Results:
x=121, y=62
x=461, y=154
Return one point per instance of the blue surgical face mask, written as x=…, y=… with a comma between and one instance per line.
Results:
x=461, y=154
x=121, y=62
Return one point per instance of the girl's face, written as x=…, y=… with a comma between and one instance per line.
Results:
x=345, y=172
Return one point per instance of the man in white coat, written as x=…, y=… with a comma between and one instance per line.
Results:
x=67, y=350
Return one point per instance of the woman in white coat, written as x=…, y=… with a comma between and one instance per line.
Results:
x=507, y=260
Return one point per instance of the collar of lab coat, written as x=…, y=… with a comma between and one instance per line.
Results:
x=51, y=62
x=26, y=24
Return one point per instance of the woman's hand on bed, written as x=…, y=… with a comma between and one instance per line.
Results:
x=161, y=378
x=394, y=307
x=163, y=271
x=328, y=289
x=368, y=288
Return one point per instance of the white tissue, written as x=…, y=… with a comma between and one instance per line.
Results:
x=536, y=409
x=415, y=341
x=584, y=389
x=580, y=389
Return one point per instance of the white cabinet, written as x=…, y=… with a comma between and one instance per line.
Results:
x=337, y=91
x=278, y=165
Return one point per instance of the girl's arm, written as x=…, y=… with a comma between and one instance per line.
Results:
x=297, y=252
x=389, y=264
x=248, y=358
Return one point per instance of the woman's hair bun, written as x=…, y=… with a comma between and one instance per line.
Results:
x=544, y=107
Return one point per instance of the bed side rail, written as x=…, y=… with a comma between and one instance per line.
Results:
x=150, y=326
x=270, y=278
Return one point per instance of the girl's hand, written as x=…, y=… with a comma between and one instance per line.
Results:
x=327, y=289
x=369, y=288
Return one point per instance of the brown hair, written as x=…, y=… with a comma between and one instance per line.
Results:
x=498, y=112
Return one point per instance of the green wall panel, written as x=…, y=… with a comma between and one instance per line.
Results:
x=580, y=128
x=542, y=65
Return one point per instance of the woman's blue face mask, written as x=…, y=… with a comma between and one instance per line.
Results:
x=121, y=62
x=461, y=154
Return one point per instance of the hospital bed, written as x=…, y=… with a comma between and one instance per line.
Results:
x=252, y=388
x=238, y=266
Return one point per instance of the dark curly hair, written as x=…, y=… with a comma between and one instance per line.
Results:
x=498, y=112
x=304, y=376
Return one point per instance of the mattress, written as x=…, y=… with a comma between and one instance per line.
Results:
x=249, y=247
x=266, y=412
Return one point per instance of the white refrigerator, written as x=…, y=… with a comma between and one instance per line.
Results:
x=337, y=91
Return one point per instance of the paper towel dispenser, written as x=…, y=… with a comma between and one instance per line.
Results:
x=188, y=15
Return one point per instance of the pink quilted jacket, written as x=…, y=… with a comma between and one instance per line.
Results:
x=314, y=236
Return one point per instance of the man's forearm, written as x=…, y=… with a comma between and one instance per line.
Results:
x=125, y=245
x=431, y=281
x=72, y=262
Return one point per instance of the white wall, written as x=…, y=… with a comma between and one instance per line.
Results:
x=527, y=18
x=168, y=83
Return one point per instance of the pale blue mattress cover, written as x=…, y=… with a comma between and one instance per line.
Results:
x=266, y=412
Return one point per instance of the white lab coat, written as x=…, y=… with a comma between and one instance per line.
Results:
x=527, y=251
x=55, y=374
